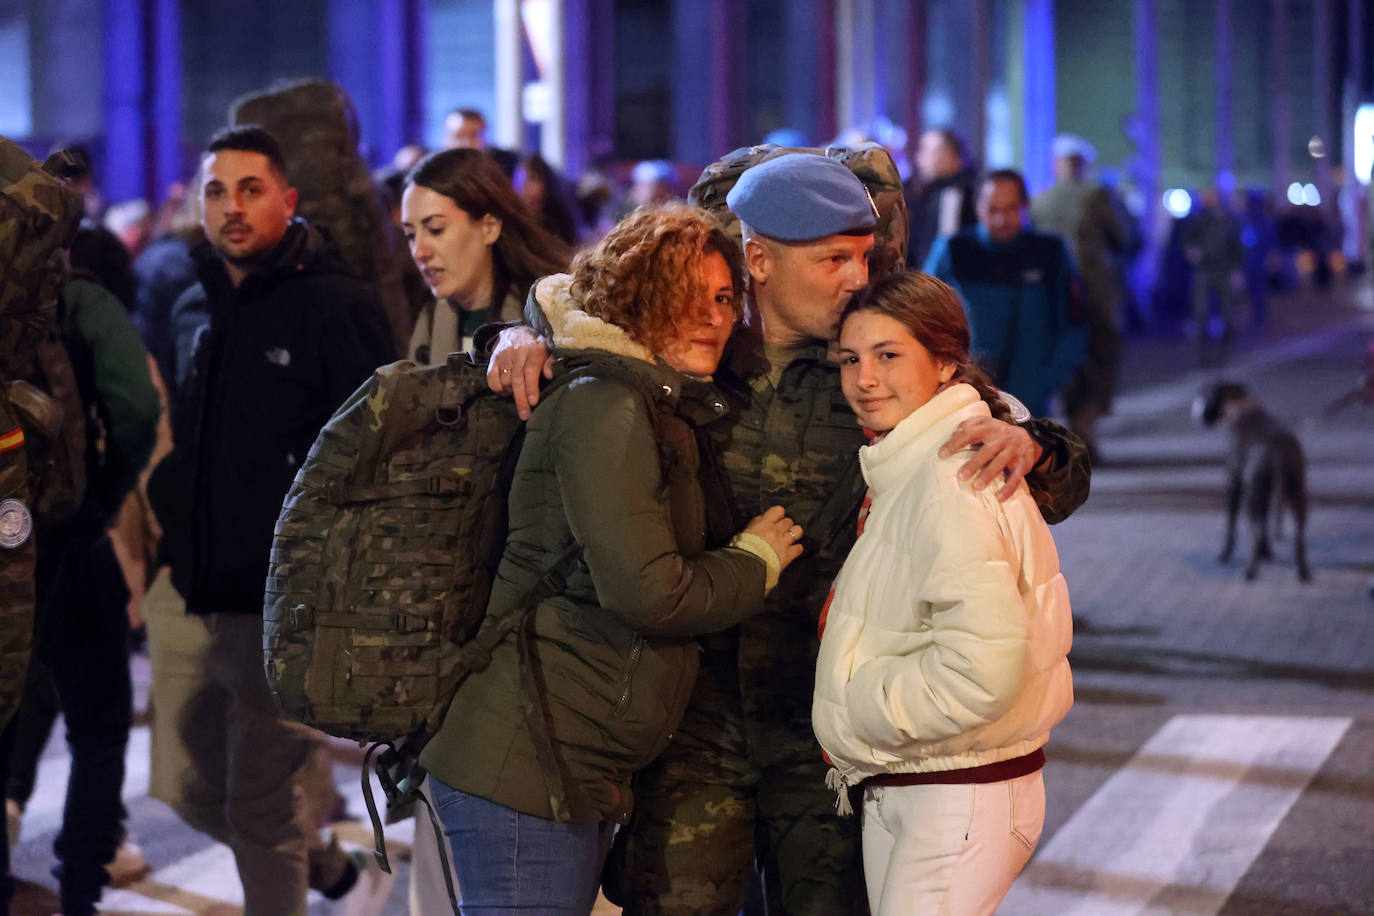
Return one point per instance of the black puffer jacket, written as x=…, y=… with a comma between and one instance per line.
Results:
x=279, y=353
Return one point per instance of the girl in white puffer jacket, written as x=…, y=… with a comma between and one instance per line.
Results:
x=943, y=663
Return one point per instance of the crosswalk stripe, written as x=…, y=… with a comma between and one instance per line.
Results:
x=1174, y=830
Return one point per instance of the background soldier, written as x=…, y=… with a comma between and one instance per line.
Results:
x=1099, y=234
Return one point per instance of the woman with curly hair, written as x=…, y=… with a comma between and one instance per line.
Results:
x=476, y=246
x=532, y=764
x=943, y=661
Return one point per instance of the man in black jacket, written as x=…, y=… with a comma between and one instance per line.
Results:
x=291, y=332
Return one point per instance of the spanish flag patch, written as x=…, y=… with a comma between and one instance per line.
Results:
x=12, y=439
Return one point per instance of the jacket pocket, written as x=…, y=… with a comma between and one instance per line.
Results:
x=626, y=690
x=1027, y=802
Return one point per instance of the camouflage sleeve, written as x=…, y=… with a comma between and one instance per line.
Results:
x=16, y=565
x=1062, y=485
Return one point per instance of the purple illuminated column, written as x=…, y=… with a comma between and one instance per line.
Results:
x=914, y=72
x=708, y=81
x=376, y=54
x=1324, y=54
x=127, y=165
x=165, y=48
x=1278, y=94
x=588, y=88
x=1225, y=68
x=1038, y=107
x=1145, y=133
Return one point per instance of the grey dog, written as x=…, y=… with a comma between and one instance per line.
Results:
x=1266, y=471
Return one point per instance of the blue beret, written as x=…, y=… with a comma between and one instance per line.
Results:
x=798, y=197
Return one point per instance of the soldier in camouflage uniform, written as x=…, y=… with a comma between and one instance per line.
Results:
x=743, y=781
x=38, y=218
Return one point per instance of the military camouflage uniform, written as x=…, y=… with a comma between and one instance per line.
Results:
x=744, y=770
x=37, y=219
x=16, y=575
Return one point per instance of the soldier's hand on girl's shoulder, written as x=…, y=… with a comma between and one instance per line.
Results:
x=1003, y=449
x=518, y=359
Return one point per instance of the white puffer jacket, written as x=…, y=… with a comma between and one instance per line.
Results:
x=946, y=644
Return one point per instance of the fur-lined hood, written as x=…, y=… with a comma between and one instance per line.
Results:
x=579, y=339
x=570, y=328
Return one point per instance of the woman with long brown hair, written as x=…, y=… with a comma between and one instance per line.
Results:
x=476, y=245
x=943, y=662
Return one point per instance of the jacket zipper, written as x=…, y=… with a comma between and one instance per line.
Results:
x=631, y=665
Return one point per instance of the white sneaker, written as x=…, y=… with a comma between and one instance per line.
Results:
x=128, y=865
x=370, y=893
x=14, y=819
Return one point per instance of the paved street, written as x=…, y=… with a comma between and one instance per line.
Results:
x=1220, y=756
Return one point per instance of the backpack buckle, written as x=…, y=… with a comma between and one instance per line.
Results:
x=409, y=623
x=302, y=617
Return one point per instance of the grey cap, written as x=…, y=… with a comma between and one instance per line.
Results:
x=799, y=197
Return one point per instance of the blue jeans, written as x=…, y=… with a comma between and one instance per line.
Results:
x=508, y=862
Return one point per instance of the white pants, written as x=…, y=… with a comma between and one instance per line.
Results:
x=948, y=849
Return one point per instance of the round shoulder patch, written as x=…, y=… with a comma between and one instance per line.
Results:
x=16, y=523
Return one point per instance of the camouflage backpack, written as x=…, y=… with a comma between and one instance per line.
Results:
x=38, y=217
x=382, y=562
x=317, y=127
x=870, y=162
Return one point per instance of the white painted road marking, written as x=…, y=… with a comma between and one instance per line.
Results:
x=1174, y=830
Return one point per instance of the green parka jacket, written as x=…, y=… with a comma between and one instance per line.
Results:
x=614, y=650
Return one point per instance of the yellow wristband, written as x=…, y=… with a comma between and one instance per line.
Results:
x=752, y=543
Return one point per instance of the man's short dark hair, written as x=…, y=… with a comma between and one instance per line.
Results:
x=250, y=138
x=469, y=114
x=1011, y=175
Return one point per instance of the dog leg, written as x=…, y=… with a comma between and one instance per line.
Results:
x=1257, y=502
x=1295, y=489
x=1234, y=490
